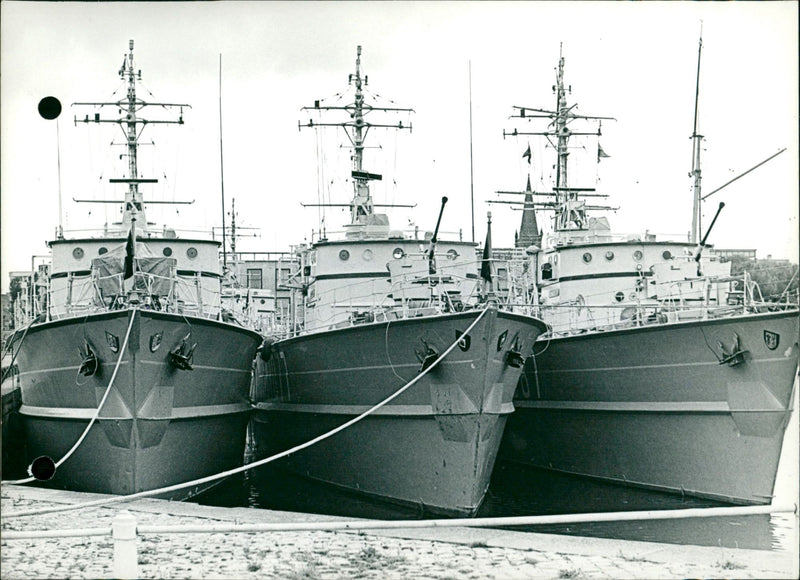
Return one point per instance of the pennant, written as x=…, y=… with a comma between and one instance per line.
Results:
x=486, y=265
x=527, y=154
x=601, y=154
x=130, y=252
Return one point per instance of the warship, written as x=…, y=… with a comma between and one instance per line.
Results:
x=661, y=369
x=398, y=330
x=130, y=374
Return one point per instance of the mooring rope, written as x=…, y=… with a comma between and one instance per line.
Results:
x=97, y=411
x=259, y=463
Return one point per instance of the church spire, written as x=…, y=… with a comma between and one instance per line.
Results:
x=529, y=232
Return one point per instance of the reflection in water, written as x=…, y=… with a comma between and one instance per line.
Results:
x=517, y=491
x=514, y=491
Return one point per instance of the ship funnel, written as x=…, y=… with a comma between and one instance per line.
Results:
x=42, y=468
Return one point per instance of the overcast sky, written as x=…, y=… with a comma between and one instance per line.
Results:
x=632, y=61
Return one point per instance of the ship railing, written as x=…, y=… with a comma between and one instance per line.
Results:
x=379, y=299
x=116, y=230
x=414, y=233
x=576, y=317
x=169, y=292
x=604, y=236
x=413, y=293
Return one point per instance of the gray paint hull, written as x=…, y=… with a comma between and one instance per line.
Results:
x=654, y=407
x=159, y=425
x=435, y=445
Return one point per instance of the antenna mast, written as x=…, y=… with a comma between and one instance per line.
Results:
x=129, y=122
x=471, y=179
x=569, y=209
x=696, y=141
x=221, y=170
x=356, y=129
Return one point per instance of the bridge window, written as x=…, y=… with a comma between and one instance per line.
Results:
x=254, y=278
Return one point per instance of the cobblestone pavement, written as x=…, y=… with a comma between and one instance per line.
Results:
x=456, y=553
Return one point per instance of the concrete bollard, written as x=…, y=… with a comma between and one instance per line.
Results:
x=126, y=560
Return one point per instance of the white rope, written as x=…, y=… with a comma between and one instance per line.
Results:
x=97, y=411
x=230, y=472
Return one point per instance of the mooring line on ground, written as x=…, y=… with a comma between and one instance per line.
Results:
x=369, y=524
x=259, y=463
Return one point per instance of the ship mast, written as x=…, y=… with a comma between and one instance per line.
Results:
x=569, y=209
x=132, y=126
x=696, y=141
x=356, y=129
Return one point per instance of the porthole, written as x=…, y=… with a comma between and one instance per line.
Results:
x=344, y=255
x=192, y=253
x=398, y=253
x=263, y=301
x=77, y=253
x=638, y=266
x=587, y=257
x=609, y=255
x=637, y=255
x=633, y=296
x=619, y=296
x=367, y=255
x=666, y=254
x=452, y=254
x=102, y=251
x=167, y=252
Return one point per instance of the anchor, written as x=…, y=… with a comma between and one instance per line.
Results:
x=736, y=354
x=426, y=357
x=181, y=355
x=89, y=362
x=514, y=357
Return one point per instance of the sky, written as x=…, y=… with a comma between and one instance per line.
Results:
x=636, y=62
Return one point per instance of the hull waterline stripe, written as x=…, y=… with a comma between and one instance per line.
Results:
x=655, y=366
x=195, y=366
x=177, y=413
x=408, y=410
x=364, y=368
x=638, y=407
x=72, y=368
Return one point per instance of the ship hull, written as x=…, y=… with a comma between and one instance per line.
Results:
x=160, y=425
x=435, y=445
x=655, y=407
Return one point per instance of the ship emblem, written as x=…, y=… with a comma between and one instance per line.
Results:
x=112, y=342
x=772, y=339
x=464, y=340
x=155, y=341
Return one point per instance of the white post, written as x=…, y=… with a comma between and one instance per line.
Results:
x=126, y=564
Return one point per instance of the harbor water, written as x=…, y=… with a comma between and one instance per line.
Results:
x=519, y=491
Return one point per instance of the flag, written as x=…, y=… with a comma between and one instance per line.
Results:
x=486, y=265
x=527, y=154
x=600, y=153
x=130, y=252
